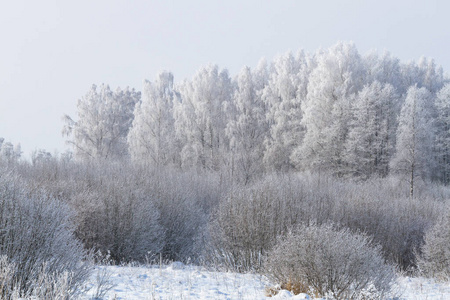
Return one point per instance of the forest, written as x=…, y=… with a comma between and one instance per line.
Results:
x=327, y=172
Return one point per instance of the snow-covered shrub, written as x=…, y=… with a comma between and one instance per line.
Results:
x=435, y=258
x=7, y=287
x=327, y=262
x=249, y=218
x=247, y=223
x=118, y=218
x=394, y=221
x=131, y=210
x=36, y=239
x=183, y=206
x=378, y=207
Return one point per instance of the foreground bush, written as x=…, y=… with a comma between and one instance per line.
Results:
x=246, y=225
x=329, y=263
x=120, y=220
x=435, y=259
x=37, y=242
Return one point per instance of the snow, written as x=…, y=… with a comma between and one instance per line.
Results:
x=177, y=281
x=423, y=288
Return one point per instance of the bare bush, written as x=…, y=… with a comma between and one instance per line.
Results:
x=250, y=218
x=121, y=219
x=247, y=223
x=184, y=202
x=37, y=236
x=329, y=263
x=435, y=258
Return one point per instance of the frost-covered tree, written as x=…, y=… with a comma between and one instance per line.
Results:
x=246, y=128
x=152, y=135
x=326, y=109
x=201, y=120
x=384, y=69
x=9, y=153
x=104, y=119
x=415, y=136
x=425, y=73
x=371, y=137
x=443, y=134
x=261, y=77
x=40, y=156
x=284, y=94
x=431, y=75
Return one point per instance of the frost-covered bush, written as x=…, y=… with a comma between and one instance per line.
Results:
x=329, y=263
x=247, y=223
x=248, y=219
x=37, y=240
x=131, y=210
x=435, y=258
x=394, y=221
x=184, y=203
x=119, y=219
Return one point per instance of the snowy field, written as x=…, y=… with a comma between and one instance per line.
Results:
x=177, y=281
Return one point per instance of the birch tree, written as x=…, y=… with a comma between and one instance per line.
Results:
x=104, y=119
x=246, y=128
x=443, y=134
x=152, y=136
x=284, y=94
x=201, y=119
x=371, y=137
x=338, y=75
x=415, y=136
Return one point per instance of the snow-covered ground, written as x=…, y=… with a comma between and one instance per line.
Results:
x=177, y=281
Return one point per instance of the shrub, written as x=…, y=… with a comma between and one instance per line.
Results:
x=435, y=258
x=37, y=240
x=247, y=223
x=329, y=263
x=183, y=213
x=120, y=219
x=248, y=220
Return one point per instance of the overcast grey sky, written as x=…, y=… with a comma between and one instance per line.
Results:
x=51, y=52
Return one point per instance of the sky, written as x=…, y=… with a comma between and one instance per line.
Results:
x=51, y=52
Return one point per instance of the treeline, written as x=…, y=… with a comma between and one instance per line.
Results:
x=335, y=111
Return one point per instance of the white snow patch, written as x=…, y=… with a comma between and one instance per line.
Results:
x=178, y=281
